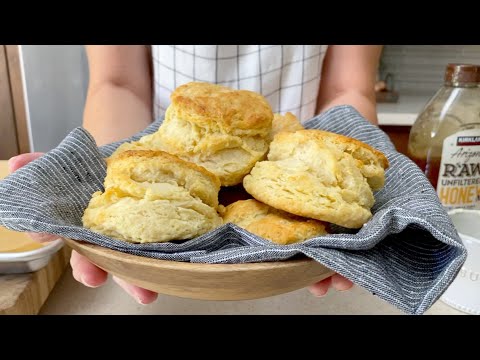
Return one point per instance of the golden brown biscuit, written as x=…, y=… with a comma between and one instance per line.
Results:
x=275, y=225
x=224, y=130
x=319, y=175
x=152, y=196
x=288, y=122
x=134, y=145
x=236, y=112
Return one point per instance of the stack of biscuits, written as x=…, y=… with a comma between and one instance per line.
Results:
x=165, y=186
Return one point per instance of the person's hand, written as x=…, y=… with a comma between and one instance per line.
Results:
x=337, y=281
x=82, y=269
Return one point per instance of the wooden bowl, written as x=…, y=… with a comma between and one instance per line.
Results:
x=206, y=281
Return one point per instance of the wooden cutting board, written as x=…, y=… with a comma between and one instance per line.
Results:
x=24, y=294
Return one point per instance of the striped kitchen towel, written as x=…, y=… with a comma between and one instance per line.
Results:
x=407, y=254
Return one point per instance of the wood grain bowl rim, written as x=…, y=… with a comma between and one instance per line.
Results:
x=203, y=281
x=184, y=265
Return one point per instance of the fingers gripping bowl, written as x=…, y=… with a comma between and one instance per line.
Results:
x=165, y=186
x=206, y=281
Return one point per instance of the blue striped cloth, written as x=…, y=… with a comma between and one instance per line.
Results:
x=407, y=254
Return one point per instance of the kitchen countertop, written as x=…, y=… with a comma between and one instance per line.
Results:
x=70, y=297
x=402, y=113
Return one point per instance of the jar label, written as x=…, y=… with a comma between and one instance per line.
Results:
x=459, y=176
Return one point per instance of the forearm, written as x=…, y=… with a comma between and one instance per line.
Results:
x=365, y=104
x=348, y=78
x=114, y=112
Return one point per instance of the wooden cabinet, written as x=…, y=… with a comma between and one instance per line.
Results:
x=14, y=138
x=399, y=136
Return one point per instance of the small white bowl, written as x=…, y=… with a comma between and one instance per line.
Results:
x=464, y=292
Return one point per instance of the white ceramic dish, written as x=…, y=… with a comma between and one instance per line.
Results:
x=464, y=293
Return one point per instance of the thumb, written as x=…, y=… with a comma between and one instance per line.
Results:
x=18, y=161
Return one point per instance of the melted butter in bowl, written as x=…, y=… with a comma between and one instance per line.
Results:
x=14, y=242
x=19, y=254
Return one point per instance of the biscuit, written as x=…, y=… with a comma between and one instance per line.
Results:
x=275, y=225
x=152, y=196
x=224, y=130
x=134, y=145
x=319, y=175
x=288, y=122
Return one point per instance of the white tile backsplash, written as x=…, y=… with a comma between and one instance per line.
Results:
x=419, y=69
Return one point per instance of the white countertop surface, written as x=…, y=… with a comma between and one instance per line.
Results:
x=402, y=113
x=70, y=297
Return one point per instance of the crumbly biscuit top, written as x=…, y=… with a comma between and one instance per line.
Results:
x=164, y=157
x=135, y=170
x=234, y=109
x=287, y=122
x=359, y=150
